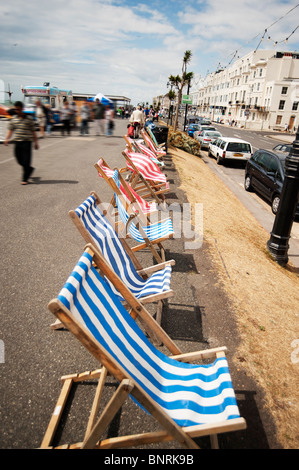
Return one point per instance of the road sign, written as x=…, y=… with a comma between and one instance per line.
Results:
x=187, y=99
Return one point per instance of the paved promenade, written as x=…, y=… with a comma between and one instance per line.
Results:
x=40, y=247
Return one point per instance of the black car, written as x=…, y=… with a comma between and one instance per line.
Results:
x=264, y=173
x=285, y=148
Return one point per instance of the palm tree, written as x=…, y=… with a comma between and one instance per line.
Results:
x=171, y=96
x=180, y=82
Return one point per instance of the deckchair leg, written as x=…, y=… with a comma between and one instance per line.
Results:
x=96, y=401
x=109, y=412
x=214, y=441
x=55, y=418
x=159, y=312
x=68, y=382
x=57, y=325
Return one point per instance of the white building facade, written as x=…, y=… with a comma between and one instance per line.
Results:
x=259, y=91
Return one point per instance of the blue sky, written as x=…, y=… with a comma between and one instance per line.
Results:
x=126, y=47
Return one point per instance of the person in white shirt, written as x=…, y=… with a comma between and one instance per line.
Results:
x=137, y=119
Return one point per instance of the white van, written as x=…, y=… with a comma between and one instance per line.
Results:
x=229, y=148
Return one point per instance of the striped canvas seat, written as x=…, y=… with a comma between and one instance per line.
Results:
x=149, y=170
x=149, y=142
x=107, y=242
x=182, y=397
x=145, y=206
x=157, y=146
x=144, y=149
x=139, y=147
x=153, y=232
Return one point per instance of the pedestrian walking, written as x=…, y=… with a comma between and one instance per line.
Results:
x=99, y=117
x=23, y=127
x=50, y=119
x=109, y=115
x=41, y=116
x=65, y=117
x=74, y=109
x=85, y=115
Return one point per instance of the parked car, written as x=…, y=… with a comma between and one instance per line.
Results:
x=286, y=148
x=192, y=128
x=206, y=137
x=229, y=148
x=191, y=120
x=203, y=127
x=264, y=173
x=205, y=122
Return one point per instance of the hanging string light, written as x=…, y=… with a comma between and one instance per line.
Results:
x=268, y=36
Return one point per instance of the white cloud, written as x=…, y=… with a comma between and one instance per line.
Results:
x=114, y=45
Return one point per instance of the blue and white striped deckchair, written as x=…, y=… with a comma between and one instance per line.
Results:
x=150, y=233
x=187, y=400
x=97, y=230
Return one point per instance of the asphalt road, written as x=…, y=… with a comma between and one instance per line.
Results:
x=39, y=247
x=233, y=174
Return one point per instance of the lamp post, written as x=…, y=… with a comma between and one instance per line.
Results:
x=278, y=244
x=186, y=110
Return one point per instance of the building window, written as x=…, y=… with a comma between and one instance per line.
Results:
x=284, y=90
x=295, y=106
x=278, y=119
x=261, y=72
x=281, y=104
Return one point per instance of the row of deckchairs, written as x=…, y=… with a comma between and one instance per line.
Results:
x=103, y=305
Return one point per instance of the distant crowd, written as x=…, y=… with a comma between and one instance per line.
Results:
x=25, y=130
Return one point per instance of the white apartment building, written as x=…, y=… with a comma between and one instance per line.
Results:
x=259, y=91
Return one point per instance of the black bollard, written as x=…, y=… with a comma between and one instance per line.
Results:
x=278, y=244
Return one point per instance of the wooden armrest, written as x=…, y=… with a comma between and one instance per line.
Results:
x=204, y=354
x=156, y=267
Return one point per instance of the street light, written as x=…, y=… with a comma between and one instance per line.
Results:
x=186, y=110
x=278, y=244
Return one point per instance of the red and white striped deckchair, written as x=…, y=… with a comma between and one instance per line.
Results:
x=131, y=196
x=159, y=151
x=144, y=169
x=139, y=147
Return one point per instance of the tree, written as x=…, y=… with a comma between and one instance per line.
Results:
x=180, y=82
x=171, y=96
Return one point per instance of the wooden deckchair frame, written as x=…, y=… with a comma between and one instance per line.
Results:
x=135, y=146
x=117, y=190
x=140, y=184
x=127, y=385
x=154, y=140
x=143, y=272
x=156, y=148
x=139, y=220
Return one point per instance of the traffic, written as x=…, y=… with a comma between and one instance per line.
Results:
x=252, y=159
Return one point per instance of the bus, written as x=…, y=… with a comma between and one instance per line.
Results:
x=47, y=95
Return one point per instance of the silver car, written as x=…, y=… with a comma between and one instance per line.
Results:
x=203, y=127
x=207, y=137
